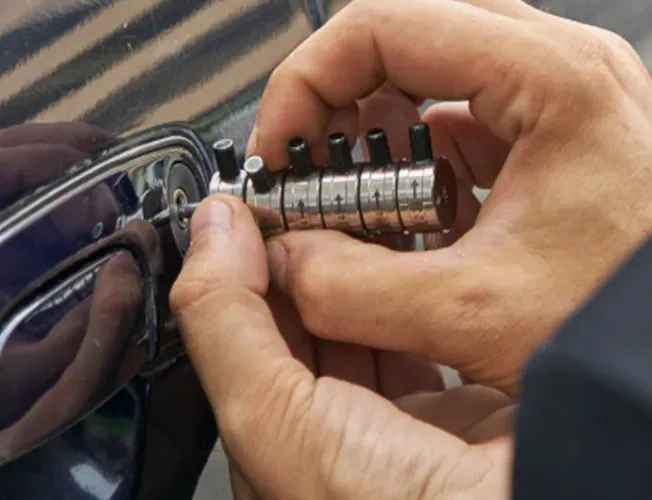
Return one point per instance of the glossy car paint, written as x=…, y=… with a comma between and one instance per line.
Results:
x=97, y=399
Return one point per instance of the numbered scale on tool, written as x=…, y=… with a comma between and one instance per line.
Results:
x=416, y=195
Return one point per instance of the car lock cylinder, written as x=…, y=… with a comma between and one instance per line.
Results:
x=416, y=195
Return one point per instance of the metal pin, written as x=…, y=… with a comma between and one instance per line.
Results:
x=378, y=147
x=420, y=142
x=262, y=179
x=227, y=162
x=300, y=158
x=186, y=211
x=339, y=148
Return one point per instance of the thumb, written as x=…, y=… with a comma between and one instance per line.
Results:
x=226, y=248
x=219, y=292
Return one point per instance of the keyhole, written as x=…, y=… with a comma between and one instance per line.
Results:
x=180, y=199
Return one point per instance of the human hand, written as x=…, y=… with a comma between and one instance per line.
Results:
x=31, y=156
x=96, y=331
x=305, y=418
x=558, y=125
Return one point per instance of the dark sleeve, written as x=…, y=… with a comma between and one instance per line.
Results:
x=584, y=427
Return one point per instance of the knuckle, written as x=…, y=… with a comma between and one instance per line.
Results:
x=614, y=43
x=463, y=473
x=474, y=298
x=177, y=296
x=617, y=42
x=365, y=13
x=278, y=74
x=240, y=425
x=317, y=280
x=234, y=420
x=237, y=421
x=596, y=50
x=281, y=406
x=358, y=6
x=606, y=66
x=190, y=289
x=579, y=77
x=625, y=61
x=474, y=301
x=289, y=401
x=312, y=288
x=599, y=58
x=595, y=63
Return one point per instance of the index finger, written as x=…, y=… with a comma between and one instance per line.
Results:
x=441, y=49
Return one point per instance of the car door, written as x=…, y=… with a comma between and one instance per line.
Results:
x=107, y=107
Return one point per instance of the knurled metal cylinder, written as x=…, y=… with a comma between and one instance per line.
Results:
x=301, y=201
x=403, y=198
x=266, y=208
x=415, y=188
x=339, y=201
x=233, y=188
x=378, y=199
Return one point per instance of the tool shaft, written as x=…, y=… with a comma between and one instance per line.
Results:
x=362, y=198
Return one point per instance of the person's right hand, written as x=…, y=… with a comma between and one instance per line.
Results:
x=558, y=125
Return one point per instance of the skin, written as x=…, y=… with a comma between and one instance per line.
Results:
x=316, y=349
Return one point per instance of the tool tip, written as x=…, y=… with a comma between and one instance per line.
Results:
x=186, y=211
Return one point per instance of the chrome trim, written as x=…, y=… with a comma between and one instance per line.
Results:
x=17, y=217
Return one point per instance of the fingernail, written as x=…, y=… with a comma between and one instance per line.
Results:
x=216, y=217
x=253, y=139
x=276, y=261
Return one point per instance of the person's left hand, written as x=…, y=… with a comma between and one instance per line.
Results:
x=301, y=417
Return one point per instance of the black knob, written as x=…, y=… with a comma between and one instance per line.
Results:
x=378, y=147
x=262, y=179
x=420, y=142
x=300, y=158
x=227, y=162
x=340, y=152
